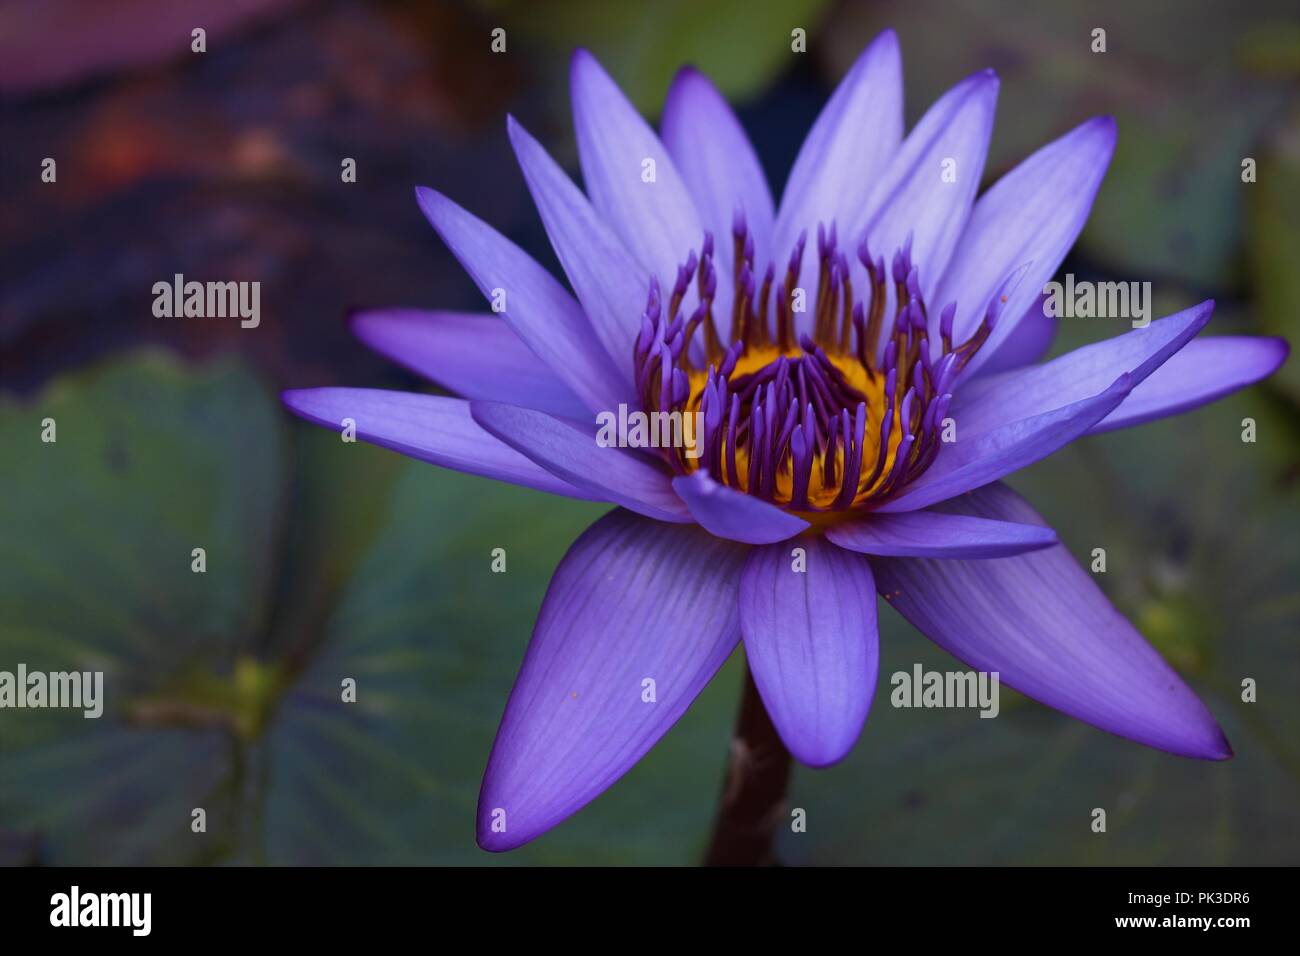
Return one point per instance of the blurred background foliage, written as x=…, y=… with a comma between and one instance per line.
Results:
x=328, y=560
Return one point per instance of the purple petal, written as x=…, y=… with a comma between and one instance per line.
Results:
x=569, y=451
x=718, y=163
x=733, y=514
x=934, y=534
x=544, y=316
x=474, y=355
x=913, y=197
x=1045, y=627
x=429, y=427
x=633, y=601
x=609, y=282
x=993, y=400
x=1205, y=369
x=656, y=220
x=846, y=151
x=972, y=461
x=812, y=644
x=1032, y=214
x=1005, y=422
x=1031, y=340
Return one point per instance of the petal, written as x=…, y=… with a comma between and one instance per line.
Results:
x=656, y=220
x=915, y=196
x=544, y=316
x=733, y=514
x=1205, y=369
x=719, y=165
x=429, y=427
x=847, y=149
x=611, y=284
x=934, y=534
x=1031, y=339
x=1005, y=422
x=474, y=355
x=632, y=600
x=812, y=644
x=993, y=400
x=1032, y=214
x=569, y=451
x=972, y=461
x=1041, y=623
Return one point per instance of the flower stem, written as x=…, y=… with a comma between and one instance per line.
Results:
x=752, y=803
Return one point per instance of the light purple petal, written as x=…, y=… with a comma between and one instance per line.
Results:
x=934, y=534
x=845, y=152
x=432, y=428
x=570, y=452
x=1032, y=214
x=914, y=197
x=993, y=400
x=719, y=165
x=633, y=601
x=544, y=316
x=1045, y=627
x=656, y=220
x=811, y=642
x=972, y=461
x=1203, y=370
x=733, y=514
x=610, y=283
x=1008, y=421
x=474, y=355
x=1027, y=344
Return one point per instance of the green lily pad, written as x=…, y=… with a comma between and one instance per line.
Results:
x=223, y=690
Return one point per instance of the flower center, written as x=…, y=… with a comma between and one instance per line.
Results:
x=817, y=410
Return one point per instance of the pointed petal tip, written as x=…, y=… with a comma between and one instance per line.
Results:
x=1211, y=745
x=583, y=61
x=886, y=39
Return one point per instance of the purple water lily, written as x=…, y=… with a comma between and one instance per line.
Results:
x=863, y=360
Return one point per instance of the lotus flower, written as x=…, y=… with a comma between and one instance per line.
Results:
x=859, y=401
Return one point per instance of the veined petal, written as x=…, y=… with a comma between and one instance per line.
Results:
x=1203, y=370
x=1005, y=422
x=993, y=400
x=569, y=451
x=812, y=644
x=474, y=355
x=1032, y=214
x=609, y=282
x=930, y=184
x=656, y=220
x=733, y=514
x=719, y=165
x=632, y=600
x=548, y=320
x=432, y=428
x=936, y=534
x=1045, y=627
x=972, y=461
x=846, y=151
